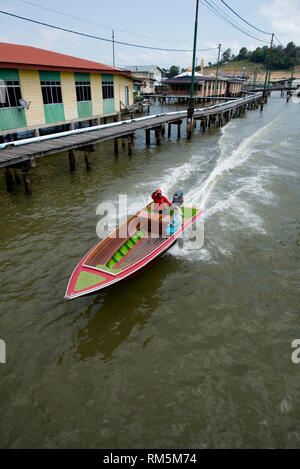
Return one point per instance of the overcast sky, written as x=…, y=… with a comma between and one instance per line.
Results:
x=156, y=23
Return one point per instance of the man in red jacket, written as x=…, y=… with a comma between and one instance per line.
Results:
x=160, y=200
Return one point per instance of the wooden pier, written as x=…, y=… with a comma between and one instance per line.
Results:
x=23, y=156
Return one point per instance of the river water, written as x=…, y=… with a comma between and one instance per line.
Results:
x=193, y=353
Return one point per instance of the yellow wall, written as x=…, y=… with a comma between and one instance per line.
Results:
x=69, y=95
x=96, y=90
x=120, y=83
x=31, y=91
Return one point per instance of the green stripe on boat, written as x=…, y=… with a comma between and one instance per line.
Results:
x=124, y=249
x=108, y=269
x=85, y=280
x=189, y=212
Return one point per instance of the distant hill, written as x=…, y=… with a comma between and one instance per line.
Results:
x=235, y=68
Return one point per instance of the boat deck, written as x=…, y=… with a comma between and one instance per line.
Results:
x=139, y=251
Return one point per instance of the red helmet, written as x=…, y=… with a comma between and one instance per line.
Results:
x=159, y=191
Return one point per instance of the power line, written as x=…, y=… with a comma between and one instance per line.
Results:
x=245, y=21
x=94, y=23
x=278, y=40
x=222, y=12
x=232, y=23
x=211, y=8
x=98, y=37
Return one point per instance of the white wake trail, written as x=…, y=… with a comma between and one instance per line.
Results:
x=240, y=155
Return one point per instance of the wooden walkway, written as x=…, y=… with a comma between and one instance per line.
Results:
x=16, y=155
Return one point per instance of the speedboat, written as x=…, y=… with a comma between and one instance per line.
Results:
x=129, y=249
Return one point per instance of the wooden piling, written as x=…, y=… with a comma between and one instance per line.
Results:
x=9, y=180
x=169, y=130
x=87, y=160
x=158, y=135
x=27, y=182
x=261, y=105
x=189, y=128
x=72, y=160
x=123, y=142
x=17, y=176
x=116, y=146
x=130, y=144
x=147, y=136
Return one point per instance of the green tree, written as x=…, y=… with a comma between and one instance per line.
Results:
x=243, y=54
x=226, y=55
x=173, y=71
x=258, y=56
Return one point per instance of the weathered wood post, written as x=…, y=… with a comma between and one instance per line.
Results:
x=17, y=176
x=123, y=142
x=116, y=146
x=169, y=130
x=87, y=160
x=72, y=160
x=9, y=180
x=147, y=137
x=158, y=135
x=130, y=144
x=190, y=119
x=261, y=104
x=27, y=182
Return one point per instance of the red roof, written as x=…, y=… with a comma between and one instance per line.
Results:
x=33, y=58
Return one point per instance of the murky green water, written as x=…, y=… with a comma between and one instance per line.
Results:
x=196, y=351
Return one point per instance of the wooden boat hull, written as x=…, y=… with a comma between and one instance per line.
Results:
x=127, y=252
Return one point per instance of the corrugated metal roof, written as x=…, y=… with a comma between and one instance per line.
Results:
x=199, y=78
x=27, y=57
x=142, y=68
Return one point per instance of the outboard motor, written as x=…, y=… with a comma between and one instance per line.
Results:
x=178, y=197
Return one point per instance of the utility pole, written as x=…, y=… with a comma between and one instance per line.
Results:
x=113, y=39
x=254, y=79
x=190, y=112
x=288, y=94
x=217, y=72
x=267, y=79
